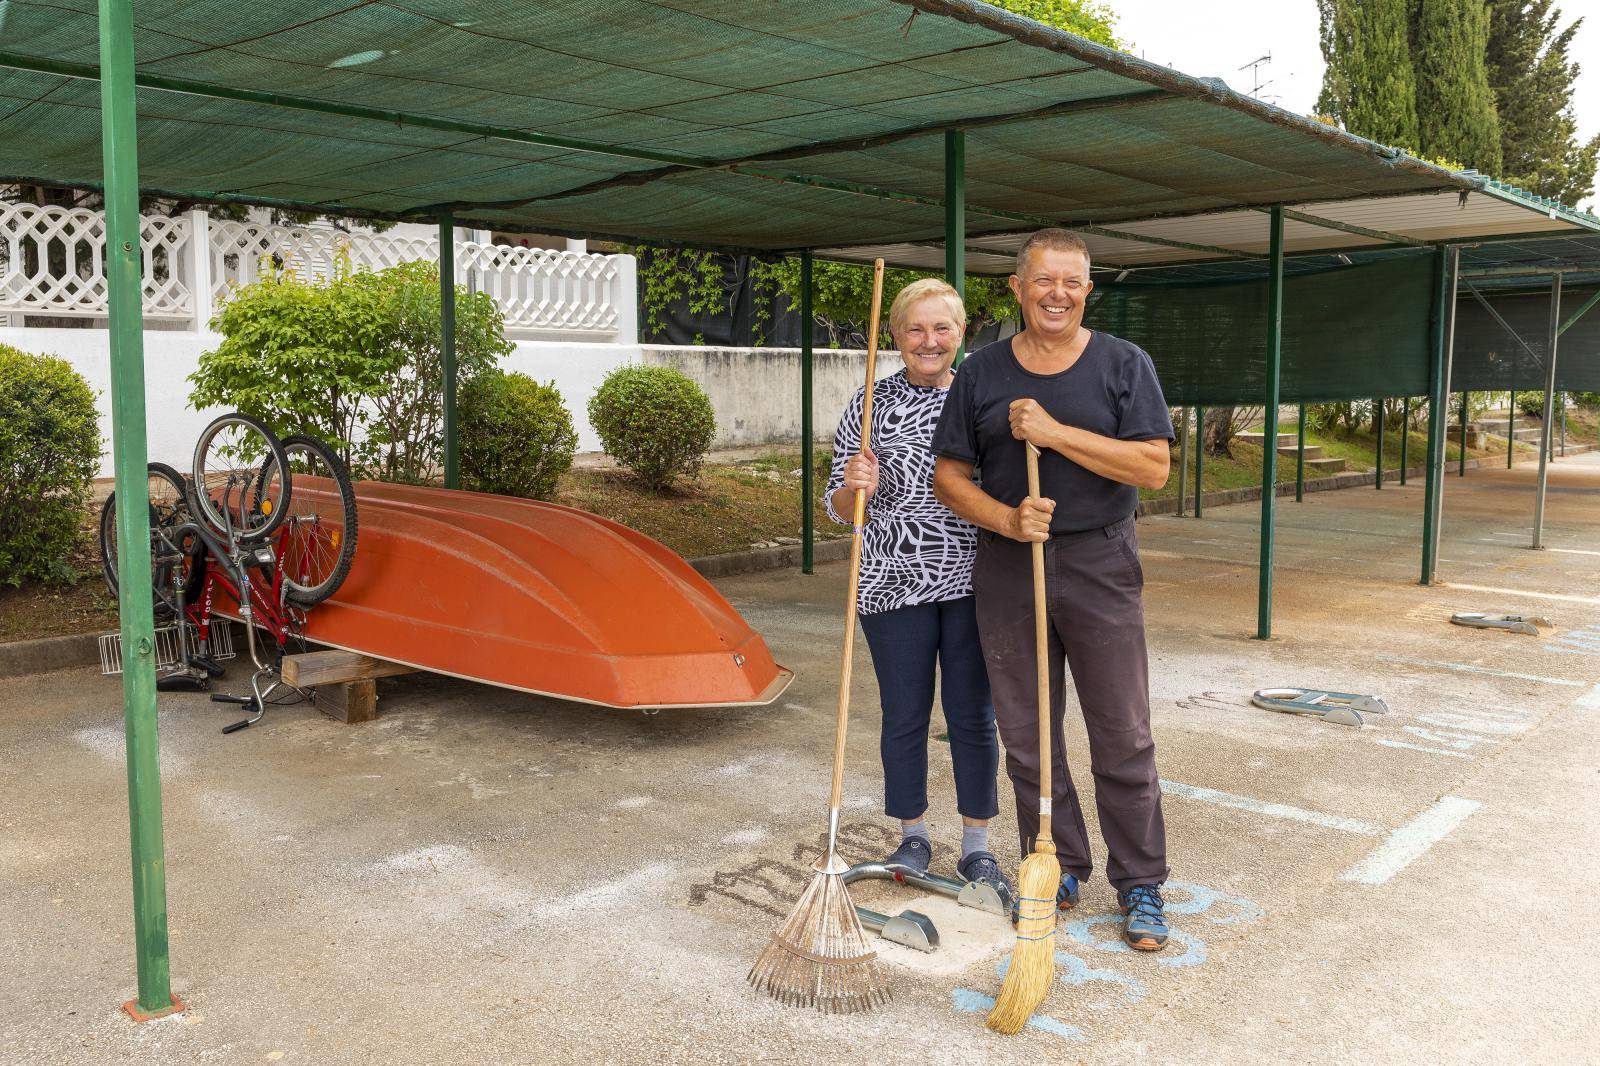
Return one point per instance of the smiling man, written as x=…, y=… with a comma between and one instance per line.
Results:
x=1092, y=405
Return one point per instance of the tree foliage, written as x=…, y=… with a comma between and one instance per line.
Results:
x=1532, y=74
x=655, y=421
x=1455, y=107
x=1370, y=84
x=1086, y=18
x=353, y=359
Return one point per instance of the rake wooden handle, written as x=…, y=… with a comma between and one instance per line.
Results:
x=837, y=798
x=1041, y=645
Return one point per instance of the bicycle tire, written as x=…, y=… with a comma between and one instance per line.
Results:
x=171, y=514
x=265, y=513
x=317, y=460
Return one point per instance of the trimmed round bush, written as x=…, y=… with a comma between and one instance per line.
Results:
x=655, y=421
x=1531, y=404
x=49, y=451
x=517, y=437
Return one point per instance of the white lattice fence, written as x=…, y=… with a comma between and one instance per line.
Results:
x=539, y=288
x=52, y=262
x=241, y=251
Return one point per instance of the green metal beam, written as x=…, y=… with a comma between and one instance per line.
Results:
x=1582, y=310
x=1350, y=227
x=1405, y=437
x=1199, y=461
x=1300, y=457
x=1183, y=464
x=124, y=259
x=955, y=218
x=808, y=533
x=1461, y=449
x=1377, y=425
x=447, y=349
x=1269, y=432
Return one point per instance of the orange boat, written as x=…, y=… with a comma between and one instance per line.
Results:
x=536, y=597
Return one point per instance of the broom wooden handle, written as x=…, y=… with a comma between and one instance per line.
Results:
x=837, y=798
x=1041, y=645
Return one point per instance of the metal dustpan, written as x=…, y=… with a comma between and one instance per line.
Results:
x=1531, y=625
x=913, y=928
x=1340, y=708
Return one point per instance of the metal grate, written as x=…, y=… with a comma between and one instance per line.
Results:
x=219, y=646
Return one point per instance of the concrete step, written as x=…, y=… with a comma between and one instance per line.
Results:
x=1325, y=466
x=1285, y=440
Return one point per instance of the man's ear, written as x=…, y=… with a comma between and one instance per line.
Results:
x=1016, y=287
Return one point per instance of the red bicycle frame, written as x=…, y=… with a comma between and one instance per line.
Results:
x=269, y=610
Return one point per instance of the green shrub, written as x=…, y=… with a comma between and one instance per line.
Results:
x=655, y=421
x=49, y=450
x=1589, y=401
x=517, y=437
x=1531, y=404
x=353, y=359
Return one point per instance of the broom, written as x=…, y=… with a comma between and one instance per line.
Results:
x=1033, y=957
x=819, y=956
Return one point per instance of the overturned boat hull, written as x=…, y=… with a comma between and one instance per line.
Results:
x=536, y=597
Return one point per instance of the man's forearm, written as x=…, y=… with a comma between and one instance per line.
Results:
x=953, y=486
x=1143, y=463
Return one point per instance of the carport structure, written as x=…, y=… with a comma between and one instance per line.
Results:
x=934, y=129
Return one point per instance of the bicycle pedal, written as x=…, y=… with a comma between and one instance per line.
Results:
x=243, y=723
x=208, y=664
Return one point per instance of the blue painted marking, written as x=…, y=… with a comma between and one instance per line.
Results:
x=1077, y=972
x=1194, y=950
x=965, y=999
x=1202, y=899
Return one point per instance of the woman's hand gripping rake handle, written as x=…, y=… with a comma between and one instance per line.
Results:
x=836, y=800
x=1041, y=645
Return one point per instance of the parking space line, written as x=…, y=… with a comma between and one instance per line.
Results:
x=1468, y=668
x=1406, y=844
x=1419, y=747
x=1572, y=551
x=1563, y=597
x=1274, y=810
x=1591, y=701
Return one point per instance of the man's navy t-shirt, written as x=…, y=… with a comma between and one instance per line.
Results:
x=1111, y=390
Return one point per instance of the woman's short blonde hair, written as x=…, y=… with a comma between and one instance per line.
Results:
x=920, y=290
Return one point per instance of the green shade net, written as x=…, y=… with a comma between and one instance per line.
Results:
x=856, y=91
x=1488, y=359
x=1350, y=333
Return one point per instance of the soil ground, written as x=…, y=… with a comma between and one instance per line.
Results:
x=488, y=877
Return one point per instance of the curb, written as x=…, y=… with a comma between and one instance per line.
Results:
x=749, y=562
x=48, y=653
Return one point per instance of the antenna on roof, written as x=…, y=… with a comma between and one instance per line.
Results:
x=1254, y=67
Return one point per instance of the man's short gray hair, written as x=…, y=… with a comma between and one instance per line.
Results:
x=1059, y=240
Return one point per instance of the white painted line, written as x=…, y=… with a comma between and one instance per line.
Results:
x=1274, y=810
x=1572, y=551
x=1407, y=844
x=1591, y=702
x=1523, y=592
x=1419, y=747
x=1467, y=668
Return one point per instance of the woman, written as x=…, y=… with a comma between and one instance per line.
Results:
x=915, y=600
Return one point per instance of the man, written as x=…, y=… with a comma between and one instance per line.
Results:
x=1092, y=405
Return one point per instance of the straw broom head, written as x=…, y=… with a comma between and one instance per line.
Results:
x=1033, y=958
x=819, y=957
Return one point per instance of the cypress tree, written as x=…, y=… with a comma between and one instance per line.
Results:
x=1455, y=107
x=1532, y=77
x=1369, y=86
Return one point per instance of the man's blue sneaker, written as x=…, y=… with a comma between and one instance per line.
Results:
x=1145, y=927
x=982, y=866
x=912, y=856
x=1066, y=896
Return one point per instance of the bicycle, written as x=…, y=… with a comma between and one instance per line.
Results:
x=242, y=532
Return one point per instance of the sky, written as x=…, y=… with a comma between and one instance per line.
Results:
x=1216, y=38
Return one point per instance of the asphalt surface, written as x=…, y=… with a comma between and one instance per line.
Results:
x=486, y=877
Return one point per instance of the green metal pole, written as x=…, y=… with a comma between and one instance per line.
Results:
x=1183, y=465
x=1377, y=424
x=1199, y=461
x=1300, y=458
x=1446, y=268
x=808, y=532
x=1405, y=438
x=955, y=216
x=1463, y=446
x=119, y=141
x=1511, y=430
x=447, y=347
x=1269, y=436
x=1547, y=424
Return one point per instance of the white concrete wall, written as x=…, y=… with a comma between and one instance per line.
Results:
x=754, y=391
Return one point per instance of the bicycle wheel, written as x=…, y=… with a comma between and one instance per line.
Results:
x=321, y=544
x=169, y=508
x=227, y=465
